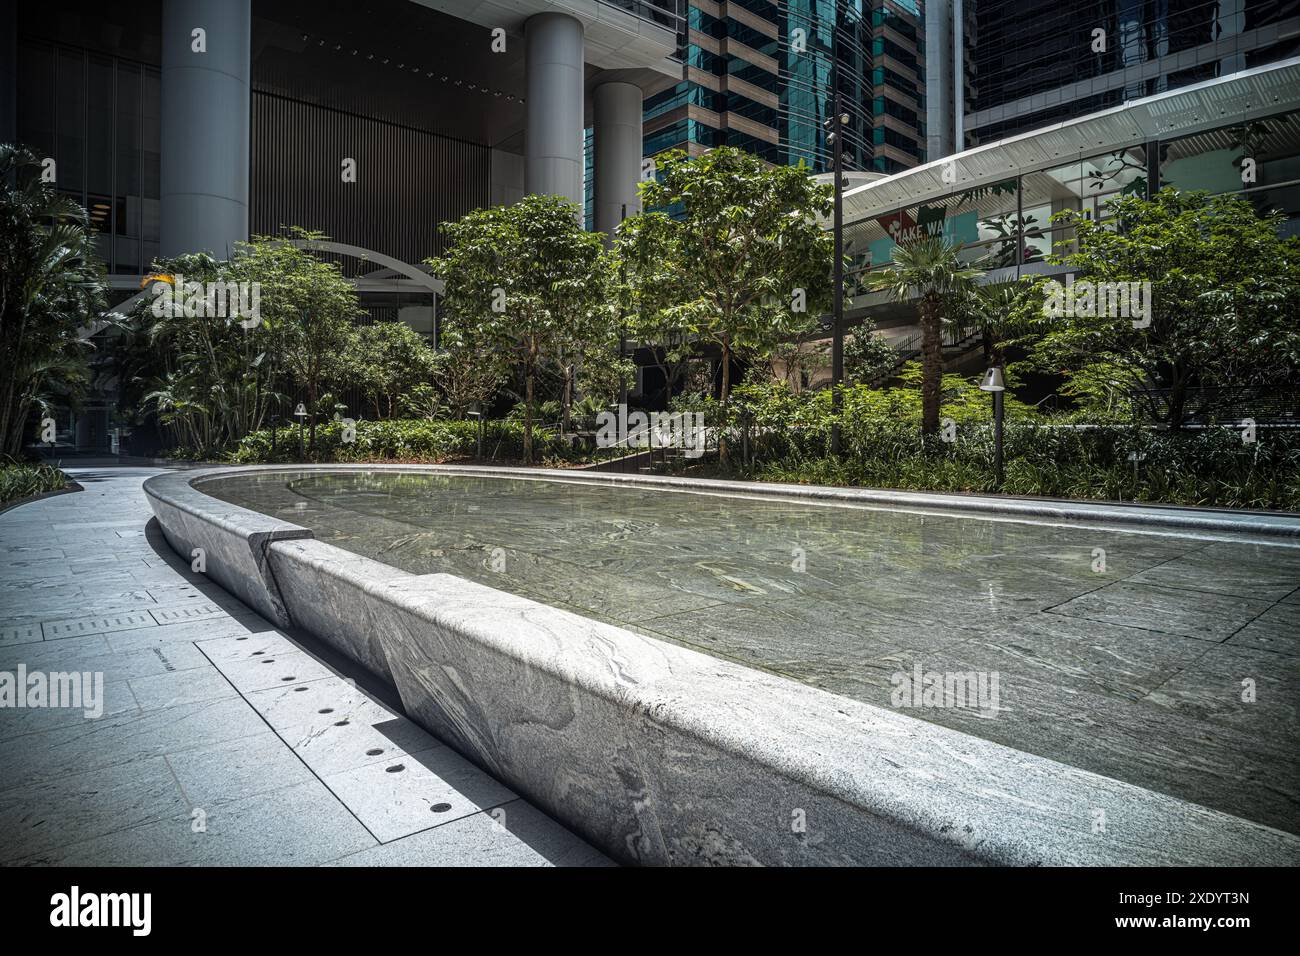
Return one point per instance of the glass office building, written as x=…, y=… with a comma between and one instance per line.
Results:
x=434, y=122
x=760, y=75
x=1032, y=63
x=1004, y=221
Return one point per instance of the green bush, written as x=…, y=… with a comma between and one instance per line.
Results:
x=418, y=439
x=1210, y=468
x=789, y=440
x=19, y=480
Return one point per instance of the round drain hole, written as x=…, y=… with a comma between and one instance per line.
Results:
x=395, y=768
x=440, y=807
x=374, y=751
x=325, y=710
x=340, y=723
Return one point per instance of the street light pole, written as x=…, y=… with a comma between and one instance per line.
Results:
x=997, y=439
x=993, y=382
x=837, y=122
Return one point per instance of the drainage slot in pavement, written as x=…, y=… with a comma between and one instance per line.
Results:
x=395, y=768
x=340, y=723
x=299, y=690
x=374, y=751
x=440, y=807
x=325, y=710
x=289, y=678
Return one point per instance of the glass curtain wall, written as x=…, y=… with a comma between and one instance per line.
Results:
x=1008, y=224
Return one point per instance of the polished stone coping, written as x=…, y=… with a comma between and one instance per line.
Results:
x=660, y=754
x=234, y=539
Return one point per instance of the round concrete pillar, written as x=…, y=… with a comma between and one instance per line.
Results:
x=205, y=106
x=553, y=136
x=617, y=167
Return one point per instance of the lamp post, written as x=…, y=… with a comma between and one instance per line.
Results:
x=993, y=383
x=275, y=420
x=300, y=413
x=835, y=139
x=477, y=415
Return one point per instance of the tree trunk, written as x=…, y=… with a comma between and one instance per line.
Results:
x=311, y=407
x=1177, y=400
x=726, y=394
x=931, y=366
x=528, y=409
x=568, y=397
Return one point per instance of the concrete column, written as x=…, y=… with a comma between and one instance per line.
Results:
x=553, y=137
x=939, y=80
x=9, y=73
x=205, y=105
x=617, y=166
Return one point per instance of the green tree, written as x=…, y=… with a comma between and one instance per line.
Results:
x=210, y=375
x=385, y=361
x=729, y=252
x=866, y=354
x=468, y=378
x=930, y=269
x=1224, y=295
x=1000, y=311
x=525, y=282
x=51, y=291
x=310, y=306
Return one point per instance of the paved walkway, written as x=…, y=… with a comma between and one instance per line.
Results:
x=221, y=740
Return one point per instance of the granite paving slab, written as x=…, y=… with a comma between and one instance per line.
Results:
x=183, y=767
x=1277, y=629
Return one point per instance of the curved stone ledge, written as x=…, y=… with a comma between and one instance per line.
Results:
x=234, y=540
x=663, y=755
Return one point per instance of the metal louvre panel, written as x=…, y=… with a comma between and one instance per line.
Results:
x=408, y=181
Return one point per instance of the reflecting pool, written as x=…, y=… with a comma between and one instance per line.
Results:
x=1169, y=661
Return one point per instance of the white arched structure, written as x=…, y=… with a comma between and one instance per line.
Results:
x=392, y=269
x=419, y=276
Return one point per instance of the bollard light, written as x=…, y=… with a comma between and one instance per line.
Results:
x=993, y=383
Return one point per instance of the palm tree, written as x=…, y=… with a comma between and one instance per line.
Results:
x=928, y=268
x=50, y=288
x=996, y=310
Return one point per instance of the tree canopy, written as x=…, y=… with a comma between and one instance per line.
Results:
x=526, y=282
x=1224, y=296
x=51, y=288
x=728, y=251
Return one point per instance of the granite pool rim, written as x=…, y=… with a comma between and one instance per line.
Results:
x=838, y=759
x=1271, y=527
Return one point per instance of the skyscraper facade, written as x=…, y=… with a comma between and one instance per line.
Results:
x=1031, y=63
x=760, y=75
